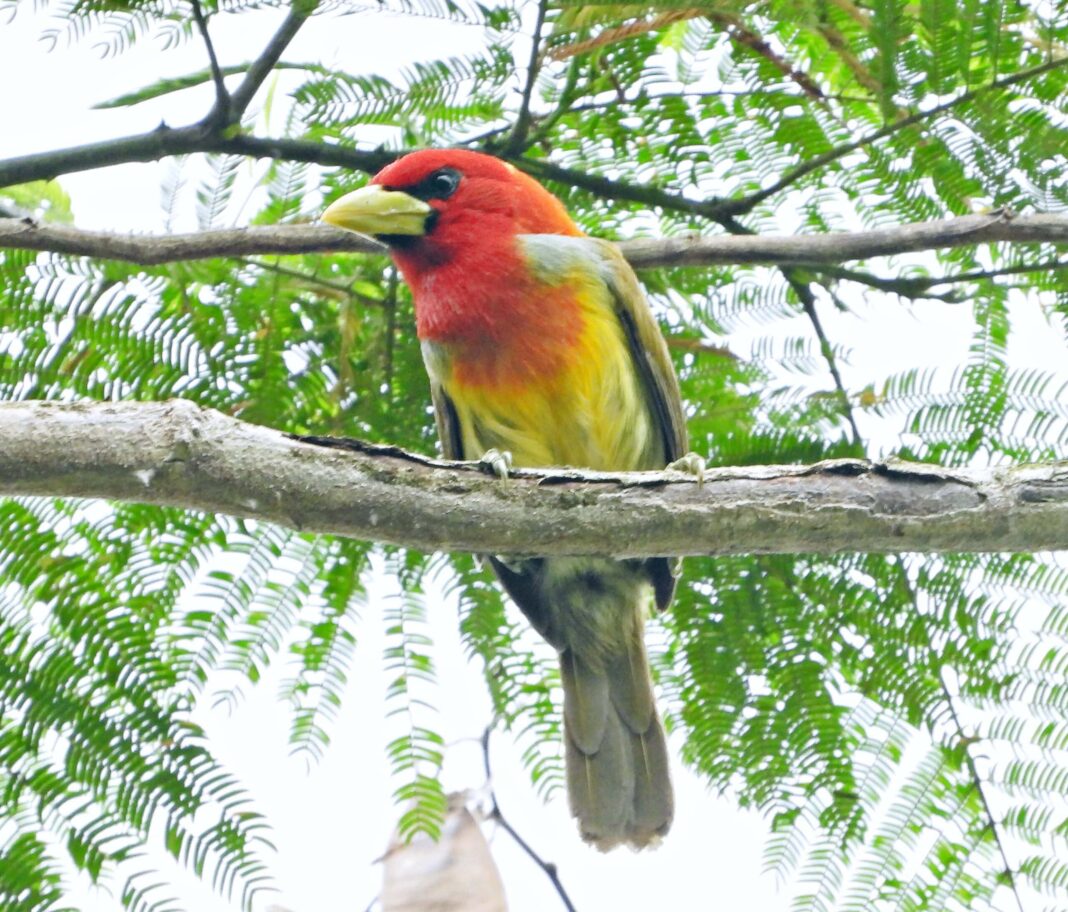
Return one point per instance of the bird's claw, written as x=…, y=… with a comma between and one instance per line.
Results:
x=691, y=464
x=496, y=462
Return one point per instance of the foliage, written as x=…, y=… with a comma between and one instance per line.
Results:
x=900, y=719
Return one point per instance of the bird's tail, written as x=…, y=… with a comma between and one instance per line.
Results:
x=618, y=782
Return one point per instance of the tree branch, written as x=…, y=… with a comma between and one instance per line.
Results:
x=840, y=247
x=209, y=135
x=522, y=122
x=1008, y=872
x=164, y=141
x=205, y=137
x=142, y=147
x=811, y=250
x=610, y=188
x=25, y=234
x=262, y=65
x=496, y=814
x=220, y=112
x=808, y=304
x=177, y=454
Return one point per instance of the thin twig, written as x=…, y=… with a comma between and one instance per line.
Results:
x=275, y=268
x=495, y=813
x=522, y=121
x=964, y=742
x=979, y=275
x=391, y=327
x=563, y=105
x=913, y=288
x=545, y=122
x=837, y=42
x=615, y=34
x=610, y=188
x=262, y=65
x=220, y=112
x=977, y=782
x=808, y=302
x=745, y=37
x=343, y=288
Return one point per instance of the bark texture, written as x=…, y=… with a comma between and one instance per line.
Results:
x=834, y=247
x=177, y=454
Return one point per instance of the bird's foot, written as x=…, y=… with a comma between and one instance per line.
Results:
x=496, y=462
x=691, y=464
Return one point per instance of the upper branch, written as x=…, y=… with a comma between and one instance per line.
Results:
x=164, y=141
x=262, y=65
x=210, y=135
x=143, y=147
x=220, y=112
x=522, y=121
x=176, y=454
x=836, y=247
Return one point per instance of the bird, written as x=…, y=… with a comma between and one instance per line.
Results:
x=540, y=345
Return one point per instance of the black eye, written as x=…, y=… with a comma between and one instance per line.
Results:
x=441, y=184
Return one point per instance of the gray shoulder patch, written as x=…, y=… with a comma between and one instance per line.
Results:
x=553, y=254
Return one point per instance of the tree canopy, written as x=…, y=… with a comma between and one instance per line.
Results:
x=902, y=719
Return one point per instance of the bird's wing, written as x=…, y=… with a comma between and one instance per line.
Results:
x=448, y=423
x=647, y=348
x=653, y=362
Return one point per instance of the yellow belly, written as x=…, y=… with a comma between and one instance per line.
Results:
x=591, y=412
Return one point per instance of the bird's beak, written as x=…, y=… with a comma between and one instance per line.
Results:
x=374, y=210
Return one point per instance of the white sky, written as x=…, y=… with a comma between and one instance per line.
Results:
x=331, y=821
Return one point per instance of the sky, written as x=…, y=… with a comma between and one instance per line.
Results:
x=332, y=819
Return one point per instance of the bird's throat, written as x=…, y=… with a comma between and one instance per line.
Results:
x=494, y=324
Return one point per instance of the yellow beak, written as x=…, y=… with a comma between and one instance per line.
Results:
x=375, y=210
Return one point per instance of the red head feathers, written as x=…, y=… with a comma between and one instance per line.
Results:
x=466, y=189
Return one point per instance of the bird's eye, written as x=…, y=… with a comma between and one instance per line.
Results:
x=441, y=184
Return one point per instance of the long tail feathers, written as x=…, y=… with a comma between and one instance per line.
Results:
x=618, y=782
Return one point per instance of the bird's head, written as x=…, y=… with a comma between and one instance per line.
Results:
x=434, y=203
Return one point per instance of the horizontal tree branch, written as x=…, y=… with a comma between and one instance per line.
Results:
x=177, y=454
x=835, y=247
x=165, y=141
x=149, y=250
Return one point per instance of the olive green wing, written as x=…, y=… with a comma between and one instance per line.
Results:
x=659, y=382
x=448, y=423
x=648, y=349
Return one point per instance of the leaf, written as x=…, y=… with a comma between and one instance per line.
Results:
x=178, y=83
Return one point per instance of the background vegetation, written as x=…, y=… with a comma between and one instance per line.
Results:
x=902, y=720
